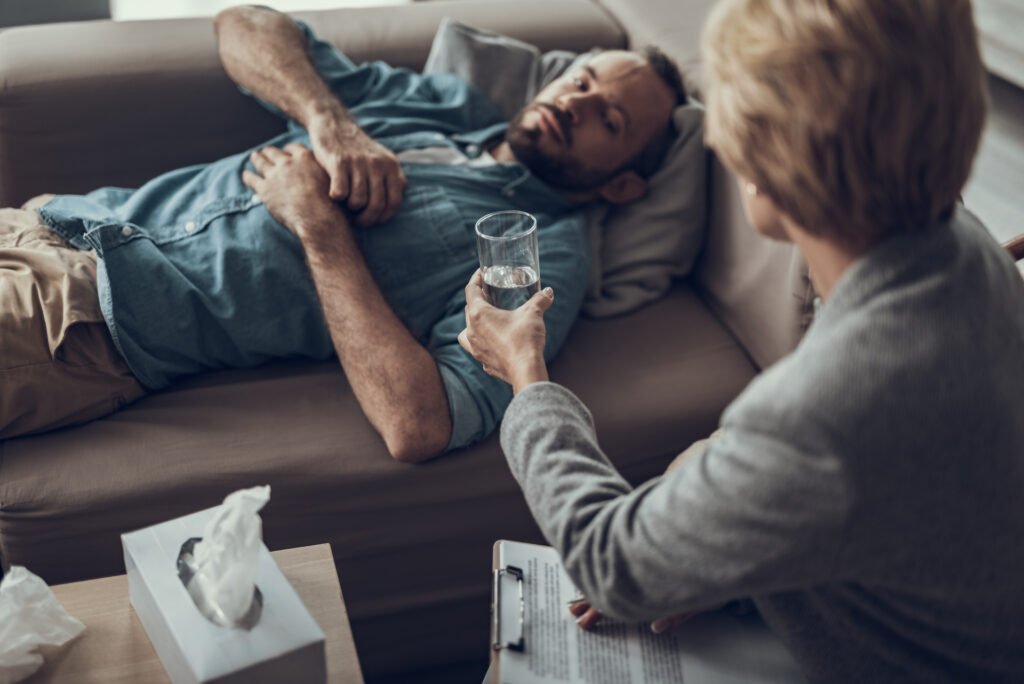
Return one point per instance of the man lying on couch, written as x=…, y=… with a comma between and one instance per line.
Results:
x=351, y=233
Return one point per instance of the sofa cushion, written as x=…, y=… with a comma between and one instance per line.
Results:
x=508, y=71
x=407, y=540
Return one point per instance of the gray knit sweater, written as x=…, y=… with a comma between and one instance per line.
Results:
x=867, y=490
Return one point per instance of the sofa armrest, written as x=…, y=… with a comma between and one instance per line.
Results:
x=88, y=104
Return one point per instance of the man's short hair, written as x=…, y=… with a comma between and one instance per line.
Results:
x=651, y=157
x=666, y=70
x=855, y=117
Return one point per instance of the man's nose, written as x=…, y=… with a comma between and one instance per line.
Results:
x=578, y=105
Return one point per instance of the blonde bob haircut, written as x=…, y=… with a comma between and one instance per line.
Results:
x=855, y=117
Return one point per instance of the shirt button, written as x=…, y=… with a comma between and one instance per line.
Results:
x=190, y=226
x=509, y=192
x=127, y=230
x=256, y=199
x=439, y=136
x=472, y=149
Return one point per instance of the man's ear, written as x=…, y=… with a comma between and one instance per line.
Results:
x=623, y=188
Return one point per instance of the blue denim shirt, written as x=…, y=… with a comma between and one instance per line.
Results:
x=194, y=274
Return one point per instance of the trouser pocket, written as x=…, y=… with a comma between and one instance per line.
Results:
x=58, y=364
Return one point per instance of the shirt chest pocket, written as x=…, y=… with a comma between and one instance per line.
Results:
x=426, y=242
x=187, y=224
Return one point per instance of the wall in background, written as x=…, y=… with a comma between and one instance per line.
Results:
x=994, y=190
x=20, y=12
x=129, y=10
x=1001, y=25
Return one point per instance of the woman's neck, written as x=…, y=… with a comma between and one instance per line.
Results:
x=827, y=260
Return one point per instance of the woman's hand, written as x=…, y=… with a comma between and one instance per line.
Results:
x=587, y=617
x=509, y=344
x=364, y=174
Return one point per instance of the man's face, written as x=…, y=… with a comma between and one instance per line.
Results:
x=584, y=127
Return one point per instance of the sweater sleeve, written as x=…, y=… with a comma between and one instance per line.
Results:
x=747, y=515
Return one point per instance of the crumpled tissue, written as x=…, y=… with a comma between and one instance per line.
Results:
x=30, y=617
x=227, y=557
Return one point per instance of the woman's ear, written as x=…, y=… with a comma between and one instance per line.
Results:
x=627, y=186
x=761, y=212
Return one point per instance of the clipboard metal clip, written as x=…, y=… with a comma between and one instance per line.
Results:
x=511, y=644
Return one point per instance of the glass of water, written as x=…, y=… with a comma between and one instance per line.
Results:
x=507, y=244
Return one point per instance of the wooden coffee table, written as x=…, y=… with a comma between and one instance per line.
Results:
x=114, y=646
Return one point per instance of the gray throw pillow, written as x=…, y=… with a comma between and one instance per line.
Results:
x=638, y=248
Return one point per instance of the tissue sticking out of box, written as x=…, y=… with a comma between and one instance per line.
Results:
x=219, y=569
x=30, y=617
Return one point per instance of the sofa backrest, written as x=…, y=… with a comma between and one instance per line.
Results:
x=88, y=104
x=759, y=289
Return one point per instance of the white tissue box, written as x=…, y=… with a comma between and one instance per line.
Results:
x=286, y=645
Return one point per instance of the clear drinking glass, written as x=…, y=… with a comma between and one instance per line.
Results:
x=507, y=244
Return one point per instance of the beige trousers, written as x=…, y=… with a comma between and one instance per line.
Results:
x=58, y=364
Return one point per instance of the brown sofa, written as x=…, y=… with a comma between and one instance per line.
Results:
x=100, y=103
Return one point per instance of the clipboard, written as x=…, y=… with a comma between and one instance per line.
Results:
x=509, y=586
x=505, y=632
x=531, y=628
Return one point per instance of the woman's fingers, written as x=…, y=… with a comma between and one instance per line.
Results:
x=587, y=617
x=590, y=618
x=578, y=609
x=475, y=288
x=464, y=342
x=666, y=623
x=542, y=301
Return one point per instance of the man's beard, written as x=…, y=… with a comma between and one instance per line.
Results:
x=560, y=173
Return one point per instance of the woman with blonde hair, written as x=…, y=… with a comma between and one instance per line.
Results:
x=865, y=491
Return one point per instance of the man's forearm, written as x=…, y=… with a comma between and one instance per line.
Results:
x=265, y=52
x=395, y=378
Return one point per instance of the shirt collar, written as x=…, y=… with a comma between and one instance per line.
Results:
x=524, y=183
x=481, y=136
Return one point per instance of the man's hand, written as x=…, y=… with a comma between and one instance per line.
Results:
x=291, y=184
x=364, y=174
x=395, y=379
x=587, y=617
x=265, y=52
x=509, y=344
